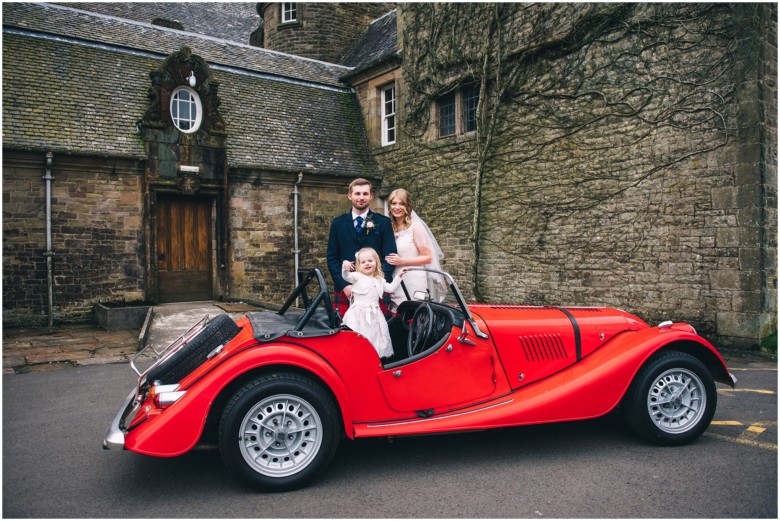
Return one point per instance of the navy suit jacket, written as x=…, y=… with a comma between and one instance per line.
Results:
x=344, y=242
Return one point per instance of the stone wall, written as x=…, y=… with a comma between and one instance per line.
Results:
x=767, y=91
x=590, y=182
x=324, y=31
x=97, y=236
x=261, y=218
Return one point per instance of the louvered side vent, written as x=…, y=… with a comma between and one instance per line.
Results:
x=540, y=348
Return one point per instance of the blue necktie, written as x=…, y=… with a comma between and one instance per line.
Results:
x=358, y=225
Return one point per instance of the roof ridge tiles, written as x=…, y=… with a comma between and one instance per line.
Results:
x=190, y=33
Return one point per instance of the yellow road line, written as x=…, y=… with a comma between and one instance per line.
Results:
x=752, y=443
x=759, y=391
x=751, y=433
x=743, y=441
x=732, y=423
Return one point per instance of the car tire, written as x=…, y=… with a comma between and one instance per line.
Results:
x=219, y=331
x=672, y=399
x=279, y=431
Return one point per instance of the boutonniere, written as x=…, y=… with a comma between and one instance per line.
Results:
x=369, y=224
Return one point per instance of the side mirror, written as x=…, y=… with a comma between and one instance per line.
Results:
x=422, y=295
x=463, y=334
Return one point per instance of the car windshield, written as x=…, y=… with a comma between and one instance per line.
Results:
x=439, y=288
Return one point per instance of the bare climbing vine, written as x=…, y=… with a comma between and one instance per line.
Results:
x=582, y=108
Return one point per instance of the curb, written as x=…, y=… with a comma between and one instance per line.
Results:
x=144, y=334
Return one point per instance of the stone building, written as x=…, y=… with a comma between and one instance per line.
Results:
x=596, y=154
x=579, y=154
x=149, y=201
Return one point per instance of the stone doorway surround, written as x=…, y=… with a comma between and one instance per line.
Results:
x=186, y=181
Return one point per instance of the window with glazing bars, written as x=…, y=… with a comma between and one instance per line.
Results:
x=289, y=12
x=470, y=102
x=388, y=115
x=184, y=110
x=447, y=115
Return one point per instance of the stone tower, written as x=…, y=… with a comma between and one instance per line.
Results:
x=321, y=31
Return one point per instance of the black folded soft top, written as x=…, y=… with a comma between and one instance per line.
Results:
x=270, y=325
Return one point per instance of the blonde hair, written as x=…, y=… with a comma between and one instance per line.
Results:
x=378, y=271
x=406, y=199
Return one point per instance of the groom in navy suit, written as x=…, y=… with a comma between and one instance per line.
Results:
x=357, y=229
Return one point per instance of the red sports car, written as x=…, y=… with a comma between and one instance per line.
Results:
x=277, y=390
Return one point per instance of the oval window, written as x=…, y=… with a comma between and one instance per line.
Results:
x=186, y=109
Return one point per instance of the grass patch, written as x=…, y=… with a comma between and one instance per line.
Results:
x=769, y=346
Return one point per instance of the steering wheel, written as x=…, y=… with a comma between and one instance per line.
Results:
x=420, y=329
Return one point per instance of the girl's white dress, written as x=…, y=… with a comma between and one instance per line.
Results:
x=364, y=316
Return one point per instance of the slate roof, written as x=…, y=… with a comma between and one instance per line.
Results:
x=77, y=82
x=66, y=21
x=234, y=21
x=377, y=43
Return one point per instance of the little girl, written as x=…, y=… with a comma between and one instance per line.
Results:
x=368, y=285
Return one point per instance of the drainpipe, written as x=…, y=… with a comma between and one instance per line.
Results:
x=296, y=251
x=49, y=254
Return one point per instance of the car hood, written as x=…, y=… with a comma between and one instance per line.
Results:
x=578, y=330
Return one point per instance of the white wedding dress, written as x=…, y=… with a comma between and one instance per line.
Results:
x=417, y=280
x=413, y=280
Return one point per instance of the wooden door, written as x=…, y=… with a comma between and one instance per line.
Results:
x=183, y=249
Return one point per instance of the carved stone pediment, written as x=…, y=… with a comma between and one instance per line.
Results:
x=182, y=86
x=174, y=72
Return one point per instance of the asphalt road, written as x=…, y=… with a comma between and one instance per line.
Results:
x=54, y=466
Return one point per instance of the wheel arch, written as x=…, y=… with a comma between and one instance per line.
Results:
x=707, y=355
x=220, y=401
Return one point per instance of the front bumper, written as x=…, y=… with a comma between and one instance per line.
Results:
x=115, y=436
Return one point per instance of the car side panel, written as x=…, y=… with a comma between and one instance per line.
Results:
x=456, y=374
x=176, y=429
x=535, y=342
x=346, y=362
x=532, y=343
x=586, y=390
x=358, y=365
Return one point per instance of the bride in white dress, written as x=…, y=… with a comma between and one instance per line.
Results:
x=416, y=247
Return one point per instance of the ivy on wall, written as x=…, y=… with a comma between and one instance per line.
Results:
x=587, y=115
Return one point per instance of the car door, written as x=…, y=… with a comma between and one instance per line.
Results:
x=456, y=374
